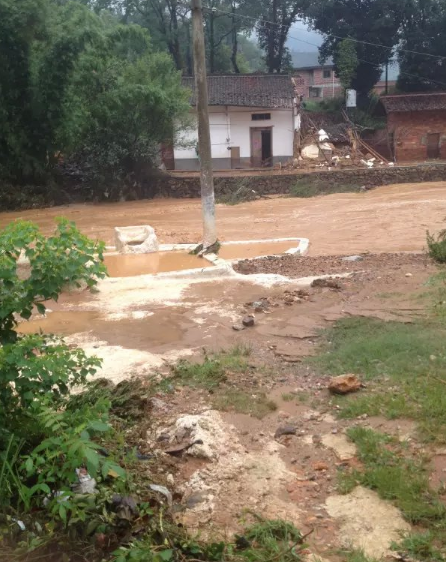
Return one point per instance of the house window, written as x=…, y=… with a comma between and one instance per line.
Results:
x=315, y=92
x=327, y=73
x=261, y=116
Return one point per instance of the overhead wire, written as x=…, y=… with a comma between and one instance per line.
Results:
x=315, y=45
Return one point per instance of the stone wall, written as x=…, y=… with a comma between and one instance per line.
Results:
x=323, y=182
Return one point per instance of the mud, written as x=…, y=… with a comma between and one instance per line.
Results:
x=129, y=265
x=388, y=219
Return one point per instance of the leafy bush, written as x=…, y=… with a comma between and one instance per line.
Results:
x=437, y=246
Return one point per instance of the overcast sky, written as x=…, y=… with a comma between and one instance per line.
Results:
x=301, y=31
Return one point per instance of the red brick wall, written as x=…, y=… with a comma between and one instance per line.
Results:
x=315, y=77
x=410, y=131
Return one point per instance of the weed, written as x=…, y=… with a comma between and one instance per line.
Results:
x=243, y=193
x=437, y=246
x=288, y=397
x=394, y=476
x=407, y=360
x=257, y=405
x=212, y=371
x=306, y=188
x=420, y=546
x=356, y=556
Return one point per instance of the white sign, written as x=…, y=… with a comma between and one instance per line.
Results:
x=350, y=100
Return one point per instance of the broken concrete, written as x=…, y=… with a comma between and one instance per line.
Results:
x=367, y=522
x=136, y=240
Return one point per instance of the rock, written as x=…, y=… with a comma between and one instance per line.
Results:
x=194, y=499
x=408, y=274
x=353, y=258
x=320, y=466
x=326, y=283
x=238, y=327
x=170, y=479
x=136, y=240
x=285, y=430
x=248, y=321
x=343, y=449
x=344, y=384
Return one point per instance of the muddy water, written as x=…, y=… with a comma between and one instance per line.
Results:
x=141, y=264
x=241, y=251
x=391, y=218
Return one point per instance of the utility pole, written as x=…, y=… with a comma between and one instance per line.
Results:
x=204, y=135
x=387, y=78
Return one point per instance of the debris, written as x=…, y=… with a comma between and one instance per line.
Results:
x=285, y=430
x=86, y=484
x=180, y=449
x=344, y=384
x=329, y=283
x=126, y=506
x=248, y=321
x=162, y=490
x=353, y=258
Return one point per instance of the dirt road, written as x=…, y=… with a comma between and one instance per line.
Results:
x=391, y=218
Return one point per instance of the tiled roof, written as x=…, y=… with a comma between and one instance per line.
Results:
x=247, y=90
x=414, y=102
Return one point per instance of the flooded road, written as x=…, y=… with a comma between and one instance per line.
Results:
x=391, y=218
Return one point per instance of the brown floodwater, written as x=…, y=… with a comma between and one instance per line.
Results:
x=129, y=265
x=254, y=250
x=387, y=219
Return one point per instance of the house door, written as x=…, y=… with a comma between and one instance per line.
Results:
x=433, y=145
x=235, y=157
x=261, y=146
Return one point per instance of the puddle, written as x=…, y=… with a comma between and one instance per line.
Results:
x=254, y=249
x=63, y=323
x=129, y=265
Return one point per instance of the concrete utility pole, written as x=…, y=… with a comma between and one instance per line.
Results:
x=204, y=135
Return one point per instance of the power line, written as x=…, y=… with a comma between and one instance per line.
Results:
x=330, y=34
x=315, y=45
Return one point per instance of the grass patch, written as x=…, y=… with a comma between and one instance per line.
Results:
x=356, y=556
x=307, y=188
x=288, y=397
x=437, y=246
x=393, y=476
x=243, y=193
x=420, y=546
x=405, y=365
x=257, y=405
x=213, y=370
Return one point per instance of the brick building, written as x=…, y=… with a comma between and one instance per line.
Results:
x=313, y=80
x=416, y=125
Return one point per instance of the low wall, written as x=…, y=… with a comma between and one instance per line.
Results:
x=283, y=183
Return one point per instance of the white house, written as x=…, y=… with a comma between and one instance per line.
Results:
x=252, y=121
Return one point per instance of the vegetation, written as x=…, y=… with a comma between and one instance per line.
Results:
x=81, y=88
x=347, y=62
x=404, y=365
x=243, y=193
x=306, y=188
x=394, y=476
x=437, y=246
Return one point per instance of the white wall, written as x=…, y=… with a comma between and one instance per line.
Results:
x=231, y=127
x=282, y=122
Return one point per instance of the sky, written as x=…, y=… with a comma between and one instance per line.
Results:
x=301, y=32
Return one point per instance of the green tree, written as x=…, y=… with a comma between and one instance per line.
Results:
x=346, y=61
x=375, y=24
x=423, y=31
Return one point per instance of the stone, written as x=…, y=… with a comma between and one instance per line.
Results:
x=136, y=240
x=352, y=258
x=285, y=430
x=319, y=466
x=326, y=283
x=248, y=321
x=343, y=449
x=344, y=384
x=238, y=327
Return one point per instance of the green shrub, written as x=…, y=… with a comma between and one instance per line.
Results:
x=437, y=246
